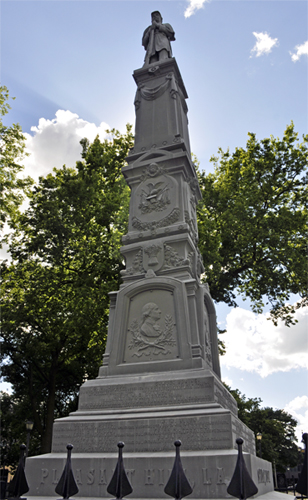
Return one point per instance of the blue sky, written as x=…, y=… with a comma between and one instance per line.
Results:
x=244, y=64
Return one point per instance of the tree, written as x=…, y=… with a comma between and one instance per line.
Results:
x=253, y=222
x=276, y=426
x=12, y=151
x=66, y=260
x=13, y=429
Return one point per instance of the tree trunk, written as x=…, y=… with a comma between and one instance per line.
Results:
x=47, y=434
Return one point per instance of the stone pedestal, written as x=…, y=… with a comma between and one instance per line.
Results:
x=209, y=473
x=160, y=378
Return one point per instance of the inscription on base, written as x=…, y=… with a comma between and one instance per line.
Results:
x=206, y=432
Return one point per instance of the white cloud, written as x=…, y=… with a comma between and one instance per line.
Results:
x=298, y=408
x=56, y=142
x=193, y=6
x=301, y=50
x=254, y=344
x=264, y=44
x=227, y=381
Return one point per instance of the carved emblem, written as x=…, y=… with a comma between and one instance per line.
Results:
x=153, y=69
x=156, y=198
x=147, y=335
x=137, y=265
x=172, y=258
x=152, y=251
x=152, y=170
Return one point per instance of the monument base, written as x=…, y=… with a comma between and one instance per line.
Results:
x=209, y=473
x=272, y=495
x=149, y=412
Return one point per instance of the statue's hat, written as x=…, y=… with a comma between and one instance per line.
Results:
x=156, y=12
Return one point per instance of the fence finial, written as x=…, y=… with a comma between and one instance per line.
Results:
x=19, y=485
x=241, y=485
x=119, y=485
x=67, y=486
x=178, y=486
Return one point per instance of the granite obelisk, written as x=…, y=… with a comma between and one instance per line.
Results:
x=160, y=377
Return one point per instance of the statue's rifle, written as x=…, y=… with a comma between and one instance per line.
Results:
x=150, y=46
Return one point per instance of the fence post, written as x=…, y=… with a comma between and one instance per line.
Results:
x=178, y=486
x=241, y=485
x=67, y=486
x=119, y=485
x=19, y=485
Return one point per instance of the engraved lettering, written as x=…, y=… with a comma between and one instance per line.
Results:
x=102, y=476
x=220, y=476
x=207, y=431
x=54, y=476
x=206, y=477
x=130, y=473
x=161, y=476
x=196, y=391
x=78, y=476
x=44, y=475
x=263, y=476
x=91, y=476
x=149, y=476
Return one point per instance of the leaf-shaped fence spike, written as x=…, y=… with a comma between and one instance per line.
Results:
x=19, y=485
x=302, y=483
x=241, y=485
x=67, y=486
x=119, y=485
x=178, y=486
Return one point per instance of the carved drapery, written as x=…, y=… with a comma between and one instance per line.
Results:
x=150, y=94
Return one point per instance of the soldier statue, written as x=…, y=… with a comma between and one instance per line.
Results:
x=156, y=40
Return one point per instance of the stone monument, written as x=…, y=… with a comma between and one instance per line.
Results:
x=160, y=378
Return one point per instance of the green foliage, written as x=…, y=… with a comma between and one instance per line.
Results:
x=66, y=259
x=253, y=223
x=13, y=429
x=12, y=152
x=55, y=292
x=276, y=426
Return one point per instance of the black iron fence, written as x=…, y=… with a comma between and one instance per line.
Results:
x=241, y=485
